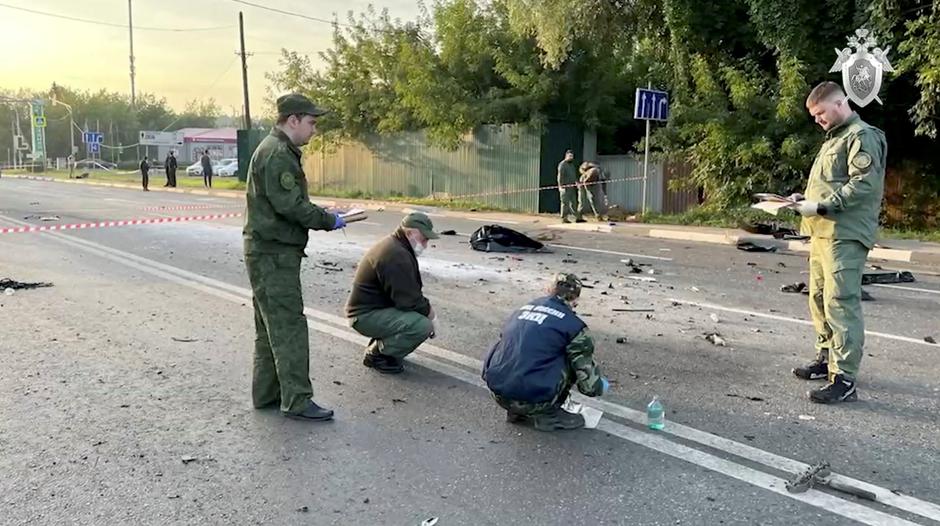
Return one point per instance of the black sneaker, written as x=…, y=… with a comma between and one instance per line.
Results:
x=557, y=419
x=840, y=390
x=817, y=370
x=383, y=364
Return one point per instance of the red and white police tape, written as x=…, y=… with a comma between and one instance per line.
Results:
x=542, y=188
x=107, y=224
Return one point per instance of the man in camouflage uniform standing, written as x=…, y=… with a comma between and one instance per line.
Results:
x=840, y=214
x=568, y=187
x=543, y=351
x=593, y=190
x=277, y=217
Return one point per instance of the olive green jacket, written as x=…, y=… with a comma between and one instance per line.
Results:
x=278, y=210
x=847, y=178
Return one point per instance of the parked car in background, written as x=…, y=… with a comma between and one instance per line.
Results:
x=196, y=168
x=227, y=168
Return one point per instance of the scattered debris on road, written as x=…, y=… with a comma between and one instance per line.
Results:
x=429, y=522
x=329, y=265
x=807, y=417
x=642, y=278
x=303, y=509
x=184, y=340
x=449, y=233
x=632, y=310
x=715, y=339
x=567, y=260
x=751, y=398
x=794, y=288
x=399, y=401
x=748, y=246
x=930, y=339
x=621, y=340
x=884, y=278
x=188, y=458
x=715, y=318
x=7, y=283
x=772, y=228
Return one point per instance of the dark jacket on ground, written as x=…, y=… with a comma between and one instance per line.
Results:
x=388, y=276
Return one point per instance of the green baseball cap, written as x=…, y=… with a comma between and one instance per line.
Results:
x=421, y=222
x=295, y=103
x=568, y=285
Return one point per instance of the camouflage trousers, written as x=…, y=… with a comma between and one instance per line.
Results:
x=281, y=371
x=393, y=332
x=591, y=199
x=521, y=408
x=835, y=302
x=569, y=203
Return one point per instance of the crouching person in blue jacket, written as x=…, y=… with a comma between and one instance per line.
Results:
x=544, y=349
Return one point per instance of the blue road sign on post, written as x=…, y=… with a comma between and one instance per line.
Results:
x=651, y=105
x=92, y=138
x=94, y=147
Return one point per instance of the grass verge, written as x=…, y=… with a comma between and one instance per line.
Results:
x=156, y=179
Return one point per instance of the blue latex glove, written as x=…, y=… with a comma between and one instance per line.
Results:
x=340, y=222
x=605, y=385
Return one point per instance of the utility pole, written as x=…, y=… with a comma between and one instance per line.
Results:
x=130, y=27
x=241, y=33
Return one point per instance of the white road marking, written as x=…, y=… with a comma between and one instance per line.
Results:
x=614, y=253
x=653, y=441
x=712, y=306
x=912, y=289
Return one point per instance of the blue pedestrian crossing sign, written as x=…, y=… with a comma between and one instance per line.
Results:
x=651, y=105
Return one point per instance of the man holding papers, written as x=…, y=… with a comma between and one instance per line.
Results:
x=840, y=214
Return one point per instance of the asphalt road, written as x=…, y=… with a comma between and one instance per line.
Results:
x=139, y=356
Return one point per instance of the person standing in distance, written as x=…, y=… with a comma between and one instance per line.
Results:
x=840, y=214
x=278, y=215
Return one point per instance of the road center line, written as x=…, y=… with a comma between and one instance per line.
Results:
x=712, y=306
x=912, y=289
x=426, y=355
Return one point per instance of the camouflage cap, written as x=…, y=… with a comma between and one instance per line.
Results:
x=567, y=285
x=295, y=103
x=422, y=223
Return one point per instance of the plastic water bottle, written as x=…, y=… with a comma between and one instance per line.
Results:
x=655, y=415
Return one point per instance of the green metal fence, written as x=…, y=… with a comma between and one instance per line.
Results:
x=494, y=165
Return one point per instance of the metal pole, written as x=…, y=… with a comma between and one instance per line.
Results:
x=646, y=163
x=13, y=136
x=646, y=157
x=130, y=27
x=241, y=33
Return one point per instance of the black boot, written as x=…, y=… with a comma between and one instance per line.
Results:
x=840, y=390
x=313, y=413
x=516, y=418
x=817, y=370
x=382, y=363
x=557, y=419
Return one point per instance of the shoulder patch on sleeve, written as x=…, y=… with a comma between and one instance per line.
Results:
x=288, y=181
x=861, y=160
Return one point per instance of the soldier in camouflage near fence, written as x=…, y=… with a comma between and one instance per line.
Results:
x=568, y=186
x=593, y=194
x=543, y=351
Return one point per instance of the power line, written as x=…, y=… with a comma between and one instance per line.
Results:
x=288, y=13
x=110, y=24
